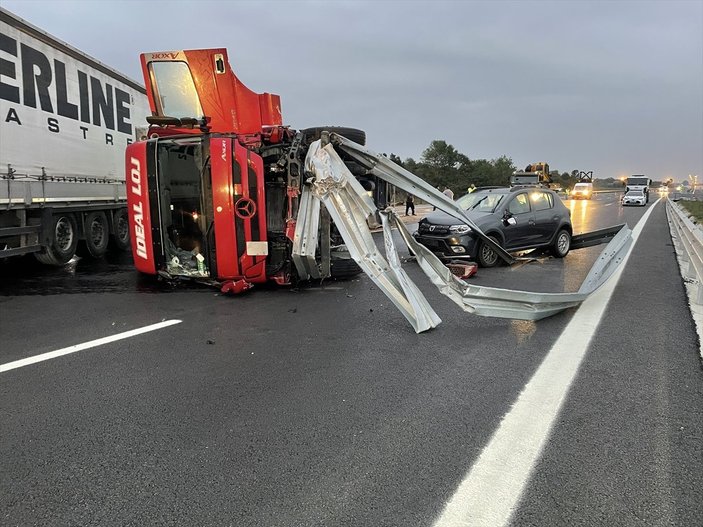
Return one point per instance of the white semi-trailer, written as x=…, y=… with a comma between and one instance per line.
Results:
x=65, y=120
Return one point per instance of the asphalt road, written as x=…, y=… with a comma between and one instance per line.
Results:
x=321, y=406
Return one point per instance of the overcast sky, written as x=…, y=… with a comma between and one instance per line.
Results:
x=614, y=87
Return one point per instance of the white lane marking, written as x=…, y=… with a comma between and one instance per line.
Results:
x=491, y=490
x=79, y=347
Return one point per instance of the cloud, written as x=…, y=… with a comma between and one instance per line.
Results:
x=613, y=87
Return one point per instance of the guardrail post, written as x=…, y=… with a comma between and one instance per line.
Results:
x=690, y=271
x=699, y=294
x=677, y=238
x=688, y=247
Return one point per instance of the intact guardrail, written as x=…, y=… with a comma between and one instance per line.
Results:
x=690, y=238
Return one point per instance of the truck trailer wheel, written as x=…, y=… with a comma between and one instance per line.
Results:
x=353, y=134
x=120, y=230
x=97, y=235
x=63, y=241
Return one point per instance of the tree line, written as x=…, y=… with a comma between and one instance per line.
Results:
x=442, y=165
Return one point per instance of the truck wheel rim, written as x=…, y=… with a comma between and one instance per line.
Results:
x=97, y=232
x=63, y=234
x=122, y=228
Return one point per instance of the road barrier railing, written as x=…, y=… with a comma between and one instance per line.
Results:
x=690, y=238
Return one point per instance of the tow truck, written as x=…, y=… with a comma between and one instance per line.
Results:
x=221, y=192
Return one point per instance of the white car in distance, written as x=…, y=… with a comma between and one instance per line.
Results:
x=634, y=197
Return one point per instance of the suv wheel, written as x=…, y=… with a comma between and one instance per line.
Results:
x=486, y=256
x=562, y=244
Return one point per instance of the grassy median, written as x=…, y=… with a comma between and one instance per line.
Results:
x=694, y=208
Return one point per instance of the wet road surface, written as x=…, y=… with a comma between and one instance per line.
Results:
x=321, y=406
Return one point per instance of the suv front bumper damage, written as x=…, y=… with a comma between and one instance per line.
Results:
x=351, y=209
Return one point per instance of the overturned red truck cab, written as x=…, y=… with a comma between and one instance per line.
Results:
x=213, y=187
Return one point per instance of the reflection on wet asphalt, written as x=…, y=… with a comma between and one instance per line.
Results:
x=114, y=274
x=523, y=330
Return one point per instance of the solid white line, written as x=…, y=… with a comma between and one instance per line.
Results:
x=79, y=347
x=490, y=492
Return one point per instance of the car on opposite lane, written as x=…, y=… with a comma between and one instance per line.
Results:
x=518, y=219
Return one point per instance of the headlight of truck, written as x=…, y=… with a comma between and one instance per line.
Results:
x=459, y=229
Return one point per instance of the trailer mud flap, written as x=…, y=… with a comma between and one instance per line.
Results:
x=350, y=208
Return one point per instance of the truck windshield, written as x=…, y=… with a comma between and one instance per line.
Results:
x=175, y=90
x=636, y=181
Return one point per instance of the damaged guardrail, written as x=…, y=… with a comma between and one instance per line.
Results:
x=387, y=170
x=691, y=240
x=332, y=183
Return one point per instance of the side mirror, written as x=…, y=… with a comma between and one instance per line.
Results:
x=510, y=221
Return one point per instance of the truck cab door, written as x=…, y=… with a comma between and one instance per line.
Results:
x=200, y=83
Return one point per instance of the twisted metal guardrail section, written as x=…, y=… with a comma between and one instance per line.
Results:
x=690, y=238
x=346, y=201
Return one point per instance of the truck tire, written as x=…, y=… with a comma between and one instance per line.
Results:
x=486, y=256
x=119, y=237
x=63, y=241
x=353, y=134
x=97, y=235
x=562, y=244
x=344, y=268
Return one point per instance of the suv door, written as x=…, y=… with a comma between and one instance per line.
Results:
x=519, y=235
x=546, y=216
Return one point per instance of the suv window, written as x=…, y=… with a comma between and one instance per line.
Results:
x=520, y=204
x=541, y=201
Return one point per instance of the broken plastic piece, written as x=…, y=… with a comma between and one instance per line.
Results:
x=462, y=270
x=238, y=287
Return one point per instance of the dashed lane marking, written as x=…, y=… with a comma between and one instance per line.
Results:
x=491, y=490
x=86, y=345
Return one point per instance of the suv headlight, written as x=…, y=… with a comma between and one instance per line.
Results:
x=459, y=229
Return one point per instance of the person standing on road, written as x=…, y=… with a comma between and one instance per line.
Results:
x=448, y=192
x=410, y=204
